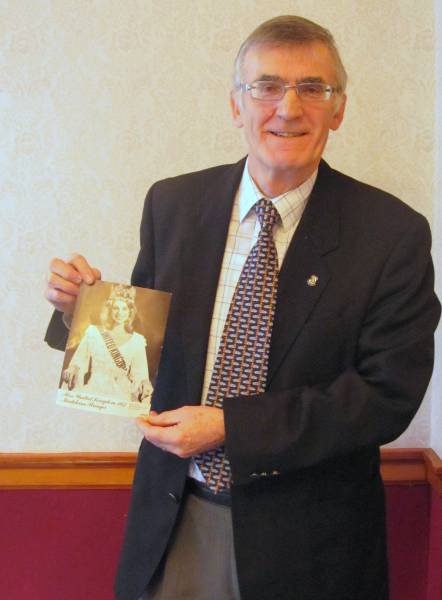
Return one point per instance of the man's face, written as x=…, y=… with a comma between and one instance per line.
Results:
x=286, y=138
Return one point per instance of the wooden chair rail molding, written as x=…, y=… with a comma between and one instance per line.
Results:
x=106, y=470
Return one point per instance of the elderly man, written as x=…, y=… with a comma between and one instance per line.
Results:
x=300, y=338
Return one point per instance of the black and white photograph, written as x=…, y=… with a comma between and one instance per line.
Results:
x=113, y=349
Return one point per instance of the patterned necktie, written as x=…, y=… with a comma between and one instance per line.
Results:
x=242, y=361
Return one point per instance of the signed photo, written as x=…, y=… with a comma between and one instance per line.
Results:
x=113, y=349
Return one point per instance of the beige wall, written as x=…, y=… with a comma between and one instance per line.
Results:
x=98, y=99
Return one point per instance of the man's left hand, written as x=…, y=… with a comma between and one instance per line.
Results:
x=186, y=431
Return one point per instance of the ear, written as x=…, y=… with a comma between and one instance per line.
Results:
x=339, y=113
x=236, y=108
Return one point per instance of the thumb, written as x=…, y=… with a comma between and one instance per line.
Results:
x=166, y=418
x=142, y=424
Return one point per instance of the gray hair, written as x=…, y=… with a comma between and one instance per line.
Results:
x=290, y=30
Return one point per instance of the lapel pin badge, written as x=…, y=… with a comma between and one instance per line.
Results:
x=312, y=280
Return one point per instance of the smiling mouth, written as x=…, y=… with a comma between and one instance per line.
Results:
x=287, y=134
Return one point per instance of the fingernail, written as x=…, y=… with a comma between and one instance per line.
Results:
x=89, y=279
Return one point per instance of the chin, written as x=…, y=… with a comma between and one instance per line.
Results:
x=289, y=165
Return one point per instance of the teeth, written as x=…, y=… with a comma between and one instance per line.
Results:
x=286, y=134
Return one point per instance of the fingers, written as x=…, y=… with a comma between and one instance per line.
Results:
x=165, y=419
x=141, y=423
x=185, y=431
x=96, y=273
x=57, y=282
x=76, y=270
x=83, y=269
x=65, y=271
x=162, y=437
x=64, y=279
x=60, y=300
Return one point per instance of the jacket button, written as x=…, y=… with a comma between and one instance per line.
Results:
x=253, y=475
x=174, y=497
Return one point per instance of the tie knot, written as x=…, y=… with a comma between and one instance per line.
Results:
x=267, y=214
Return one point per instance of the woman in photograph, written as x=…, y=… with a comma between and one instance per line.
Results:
x=110, y=360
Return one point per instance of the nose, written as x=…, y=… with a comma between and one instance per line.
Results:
x=290, y=106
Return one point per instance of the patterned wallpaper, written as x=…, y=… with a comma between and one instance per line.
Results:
x=100, y=98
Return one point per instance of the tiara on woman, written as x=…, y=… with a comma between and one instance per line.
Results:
x=122, y=292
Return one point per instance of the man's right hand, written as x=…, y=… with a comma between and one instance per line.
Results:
x=63, y=283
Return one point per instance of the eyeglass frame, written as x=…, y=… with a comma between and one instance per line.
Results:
x=248, y=87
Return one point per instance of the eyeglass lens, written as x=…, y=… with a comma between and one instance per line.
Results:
x=274, y=90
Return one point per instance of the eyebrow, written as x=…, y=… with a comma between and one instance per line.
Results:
x=266, y=77
x=311, y=80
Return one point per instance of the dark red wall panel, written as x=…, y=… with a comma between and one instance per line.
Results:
x=408, y=515
x=434, y=591
x=60, y=544
x=64, y=544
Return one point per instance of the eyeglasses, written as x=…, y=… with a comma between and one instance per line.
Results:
x=273, y=91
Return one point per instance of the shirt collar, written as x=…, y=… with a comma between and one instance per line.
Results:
x=289, y=205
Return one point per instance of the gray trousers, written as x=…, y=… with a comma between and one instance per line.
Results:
x=200, y=562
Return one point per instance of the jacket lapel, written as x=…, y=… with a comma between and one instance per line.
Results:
x=304, y=274
x=303, y=277
x=201, y=262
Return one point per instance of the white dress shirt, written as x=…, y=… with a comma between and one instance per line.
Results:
x=242, y=234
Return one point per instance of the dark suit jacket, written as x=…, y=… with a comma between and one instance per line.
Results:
x=350, y=360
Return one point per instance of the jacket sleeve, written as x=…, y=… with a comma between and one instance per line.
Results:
x=143, y=271
x=369, y=403
x=57, y=332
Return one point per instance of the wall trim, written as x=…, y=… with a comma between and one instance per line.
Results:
x=77, y=470
x=109, y=470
